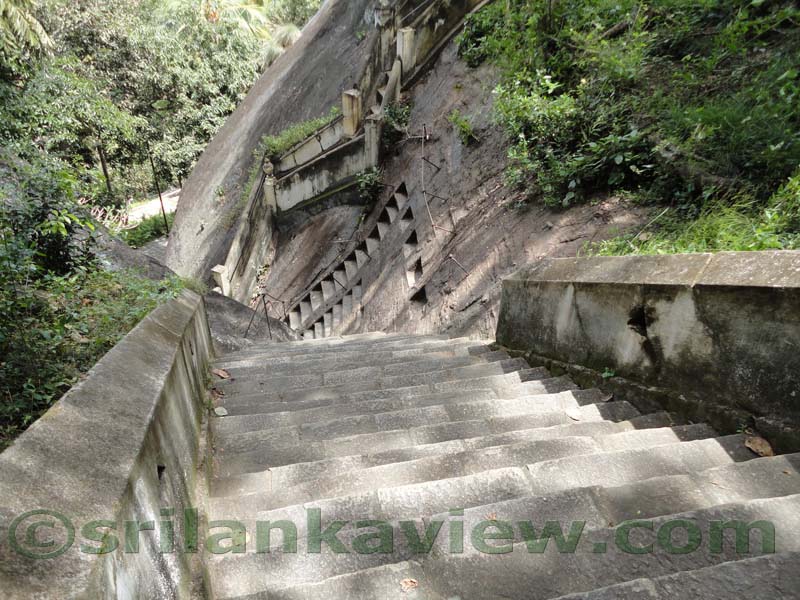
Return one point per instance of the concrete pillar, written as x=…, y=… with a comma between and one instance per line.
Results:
x=270, y=194
x=220, y=273
x=372, y=139
x=352, y=112
x=405, y=49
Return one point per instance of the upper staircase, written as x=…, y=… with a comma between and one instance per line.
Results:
x=426, y=428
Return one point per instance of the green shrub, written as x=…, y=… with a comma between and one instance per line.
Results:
x=463, y=127
x=147, y=230
x=272, y=147
x=396, y=116
x=58, y=312
x=743, y=225
x=370, y=183
x=691, y=104
x=55, y=329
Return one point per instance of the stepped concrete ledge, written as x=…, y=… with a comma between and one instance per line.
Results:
x=713, y=336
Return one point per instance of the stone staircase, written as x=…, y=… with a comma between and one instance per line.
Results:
x=435, y=430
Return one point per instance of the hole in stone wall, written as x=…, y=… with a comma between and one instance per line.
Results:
x=420, y=296
x=407, y=219
x=414, y=273
x=161, y=469
x=638, y=320
x=402, y=191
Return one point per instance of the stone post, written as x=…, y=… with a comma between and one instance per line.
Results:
x=220, y=273
x=405, y=49
x=372, y=140
x=270, y=195
x=352, y=112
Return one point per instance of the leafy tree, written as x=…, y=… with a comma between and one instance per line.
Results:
x=20, y=30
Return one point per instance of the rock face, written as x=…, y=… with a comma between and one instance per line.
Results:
x=371, y=436
x=303, y=83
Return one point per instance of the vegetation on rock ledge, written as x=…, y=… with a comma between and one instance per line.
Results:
x=693, y=105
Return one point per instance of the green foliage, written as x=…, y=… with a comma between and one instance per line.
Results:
x=742, y=225
x=147, y=230
x=58, y=312
x=692, y=104
x=55, y=328
x=20, y=30
x=122, y=79
x=370, y=183
x=396, y=116
x=463, y=127
x=272, y=147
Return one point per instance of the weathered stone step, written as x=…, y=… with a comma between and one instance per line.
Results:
x=241, y=433
x=625, y=466
x=458, y=347
x=288, y=449
x=313, y=347
x=599, y=505
x=771, y=576
x=341, y=403
x=345, y=359
x=281, y=414
x=472, y=404
x=521, y=574
x=463, y=462
x=263, y=382
x=587, y=569
x=526, y=382
x=284, y=569
x=356, y=380
x=675, y=459
x=294, y=474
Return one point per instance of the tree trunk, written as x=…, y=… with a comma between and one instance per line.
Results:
x=104, y=164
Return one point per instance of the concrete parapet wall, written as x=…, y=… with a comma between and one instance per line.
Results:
x=119, y=446
x=720, y=332
x=318, y=143
x=324, y=173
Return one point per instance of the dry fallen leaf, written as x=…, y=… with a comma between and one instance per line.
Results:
x=408, y=584
x=221, y=373
x=759, y=445
x=491, y=517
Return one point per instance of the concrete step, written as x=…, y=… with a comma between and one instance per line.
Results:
x=240, y=433
x=331, y=345
x=294, y=474
x=460, y=406
x=517, y=383
x=355, y=379
x=461, y=347
x=458, y=461
x=288, y=449
x=370, y=401
x=520, y=573
x=602, y=506
x=771, y=576
x=625, y=466
x=334, y=361
x=263, y=381
x=510, y=500
x=588, y=569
